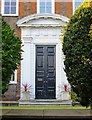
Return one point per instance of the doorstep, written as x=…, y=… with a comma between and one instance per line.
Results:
x=44, y=102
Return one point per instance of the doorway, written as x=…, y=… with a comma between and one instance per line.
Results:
x=45, y=72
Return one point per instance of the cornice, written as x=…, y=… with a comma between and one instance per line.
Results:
x=23, y=22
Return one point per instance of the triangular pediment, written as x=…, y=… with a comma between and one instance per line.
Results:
x=37, y=20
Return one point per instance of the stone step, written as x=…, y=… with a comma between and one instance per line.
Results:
x=9, y=103
x=35, y=102
x=39, y=102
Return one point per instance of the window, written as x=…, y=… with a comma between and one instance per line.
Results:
x=14, y=77
x=10, y=7
x=76, y=4
x=45, y=6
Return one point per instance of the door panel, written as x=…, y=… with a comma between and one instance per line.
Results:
x=45, y=72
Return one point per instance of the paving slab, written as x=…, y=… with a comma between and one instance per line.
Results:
x=66, y=113
x=45, y=112
x=22, y=112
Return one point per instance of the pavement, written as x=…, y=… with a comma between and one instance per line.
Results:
x=50, y=113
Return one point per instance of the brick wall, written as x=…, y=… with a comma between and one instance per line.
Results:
x=33, y=7
x=27, y=8
x=63, y=8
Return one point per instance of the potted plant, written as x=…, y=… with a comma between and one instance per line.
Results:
x=26, y=91
x=66, y=92
x=67, y=88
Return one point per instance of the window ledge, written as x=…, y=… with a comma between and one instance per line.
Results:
x=12, y=82
x=13, y=15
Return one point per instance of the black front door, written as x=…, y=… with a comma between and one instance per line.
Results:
x=45, y=72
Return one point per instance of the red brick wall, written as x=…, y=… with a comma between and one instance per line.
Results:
x=64, y=8
x=18, y=79
x=33, y=7
x=69, y=9
x=19, y=67
x=28, y=8
x=21, y=10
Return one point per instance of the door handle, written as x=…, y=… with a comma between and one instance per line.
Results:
x=45, y=81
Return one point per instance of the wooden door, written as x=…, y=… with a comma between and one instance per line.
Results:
x=45, y=72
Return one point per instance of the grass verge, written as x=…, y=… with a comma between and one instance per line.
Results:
x=43, y=107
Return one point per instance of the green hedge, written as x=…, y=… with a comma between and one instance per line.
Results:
x=77, y=48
